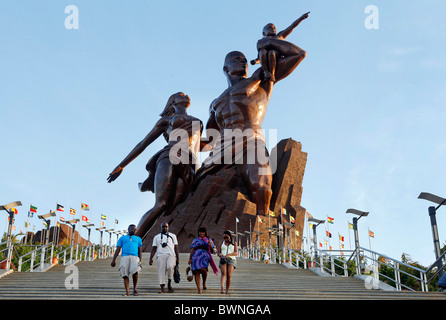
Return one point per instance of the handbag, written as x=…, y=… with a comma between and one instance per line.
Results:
x=176, y=274
x=189, y=274
x=223, y=259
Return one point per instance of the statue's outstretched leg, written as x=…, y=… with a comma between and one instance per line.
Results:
x=259, y=186
x=164, y=185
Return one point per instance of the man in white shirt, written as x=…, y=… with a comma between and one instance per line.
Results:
x=165, y=246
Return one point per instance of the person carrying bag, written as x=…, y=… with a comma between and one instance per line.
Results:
x=228, y=261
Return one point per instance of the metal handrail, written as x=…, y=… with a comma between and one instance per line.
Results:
x=297, y=258
x=8, y=256
x=333, y=262
x=33, y=257
x=396, y=266
x=442, y=259
x=71, y=252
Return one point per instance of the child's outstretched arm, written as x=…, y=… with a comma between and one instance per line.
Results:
x=285, y=33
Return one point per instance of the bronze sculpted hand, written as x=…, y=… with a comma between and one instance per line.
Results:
x=115, y=174
x=304, y=16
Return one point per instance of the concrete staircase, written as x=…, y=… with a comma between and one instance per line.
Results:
x=251, y=280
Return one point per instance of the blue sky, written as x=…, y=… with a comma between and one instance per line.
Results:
x=367, y=105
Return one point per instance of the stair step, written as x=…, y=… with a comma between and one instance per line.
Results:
x=251, y=280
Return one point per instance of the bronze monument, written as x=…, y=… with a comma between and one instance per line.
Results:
x=235, y=181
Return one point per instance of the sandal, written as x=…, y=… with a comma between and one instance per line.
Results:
x=135, y=293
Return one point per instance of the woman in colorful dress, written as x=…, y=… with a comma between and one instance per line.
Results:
x=200, y=258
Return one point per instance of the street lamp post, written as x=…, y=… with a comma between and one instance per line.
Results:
x=432, y=214
x=315, y=222
x=88, y=227
x=355, y=231
x=287, y=233
x=101, y=230
x=7, y=208
x=110, y=231
x=72, y=223
x=48, y=224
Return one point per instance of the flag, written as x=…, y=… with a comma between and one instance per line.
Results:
x=62, y=219
x=342, y=246
x=103, y=217
x=271, y=213
x=85, y=207
x=57, y=224
x=59, y=207
x=311, y=226
x=309, y=215
x=330, y=220
x=236, y=220
x=44, y=224
x=341, y=238
x=297, y=233
x=102, y=223
x=320, y=244
x=284, y=211
x=72, y=211
x=292, y=220
x=328, y=234
x=371, y=234
x=14, y=210
x=84, y=218
x=260, y=219
x=33, y=209
x=26, y=224
x=30, y=214
x=116, y=221
x=350, y=226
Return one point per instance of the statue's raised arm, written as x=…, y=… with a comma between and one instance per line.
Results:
x=288, y=58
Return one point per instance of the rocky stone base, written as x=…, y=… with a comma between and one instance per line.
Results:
x=219, y=198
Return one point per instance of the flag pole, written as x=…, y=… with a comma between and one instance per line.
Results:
x=370, y=243
x=282, y=234
x=328, y=235
x=236, y=231
x=80, y=226
x=27, y=226
x=308, y=235
x=349, y=240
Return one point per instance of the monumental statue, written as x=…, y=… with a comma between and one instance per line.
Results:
x=234, y=136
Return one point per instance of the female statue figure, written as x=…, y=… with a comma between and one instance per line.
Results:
x=171, y=170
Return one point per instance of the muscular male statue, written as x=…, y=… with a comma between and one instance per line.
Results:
x=242, y=106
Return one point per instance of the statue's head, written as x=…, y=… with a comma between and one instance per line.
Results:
x=269, y=30
x=235, y=64
x=177, y=99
